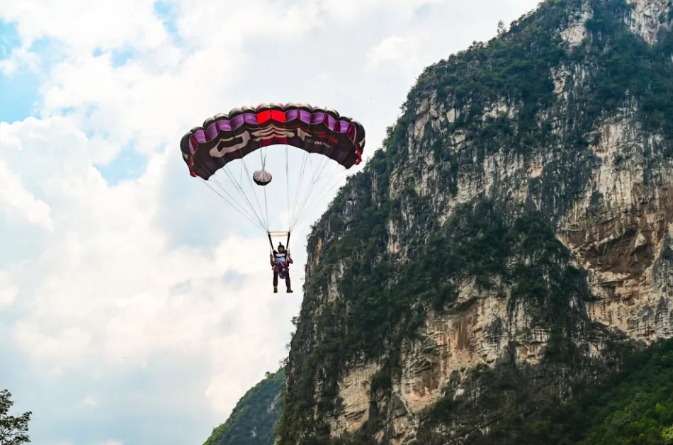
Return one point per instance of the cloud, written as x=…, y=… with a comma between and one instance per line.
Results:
x=8, y=290
x=20, y=203
x=402, y=50
x=136, y=303
x=84, y=25
x=19, y=58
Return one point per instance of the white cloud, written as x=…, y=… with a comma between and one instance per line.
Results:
x=18, y=202
x=349, y=11
x=112, y=291
x=402, y=50
x=67, y=346
x=8, y=291
x=151, y=294
x=85, y=25
x=19, y=58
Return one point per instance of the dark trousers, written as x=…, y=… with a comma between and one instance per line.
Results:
x=276, y=269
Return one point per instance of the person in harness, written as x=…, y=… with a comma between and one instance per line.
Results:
x=280, y=262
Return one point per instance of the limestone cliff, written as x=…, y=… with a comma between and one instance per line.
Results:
x=513, y=236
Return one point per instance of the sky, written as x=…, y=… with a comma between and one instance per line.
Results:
x=136, y=305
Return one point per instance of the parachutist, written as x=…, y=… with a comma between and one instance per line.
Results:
x=280, y=262
x=227, y=138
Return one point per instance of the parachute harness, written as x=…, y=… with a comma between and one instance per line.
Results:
x=287, y=241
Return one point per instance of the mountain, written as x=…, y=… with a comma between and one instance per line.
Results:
x=254, y=418
x=501, y=271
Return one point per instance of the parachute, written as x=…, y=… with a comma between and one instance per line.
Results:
x=226, y=138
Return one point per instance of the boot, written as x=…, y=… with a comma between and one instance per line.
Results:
x=275, y=290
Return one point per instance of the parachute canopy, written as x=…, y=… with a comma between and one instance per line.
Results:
x=337, y=142
x=226, y=137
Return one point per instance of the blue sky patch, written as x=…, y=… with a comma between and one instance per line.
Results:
x=20, y=94
x=165, y=11
x=128, y=165
x=121, y=56
x=48, y=50
x=20, y=90
x=9, y=39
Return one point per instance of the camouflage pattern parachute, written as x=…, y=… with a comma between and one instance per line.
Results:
x=224, y=138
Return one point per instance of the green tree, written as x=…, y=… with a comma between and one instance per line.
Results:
x=13, y=429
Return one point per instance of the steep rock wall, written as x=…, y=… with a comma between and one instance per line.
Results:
x=516, y=226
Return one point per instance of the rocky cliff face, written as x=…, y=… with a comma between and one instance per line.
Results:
x=513, y=235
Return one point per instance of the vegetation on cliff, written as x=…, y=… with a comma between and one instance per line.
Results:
x=633, y=406
x=254, y=418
